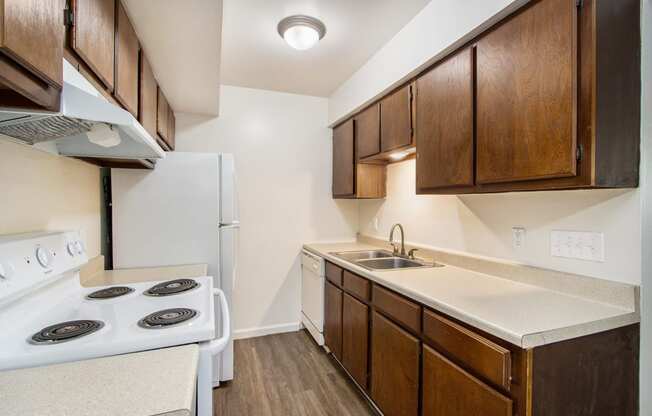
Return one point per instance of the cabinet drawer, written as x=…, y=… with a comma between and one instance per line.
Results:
x=476, y=353
x=397, y=307
x=334, y=273
x=356, y=285
x=448, y=390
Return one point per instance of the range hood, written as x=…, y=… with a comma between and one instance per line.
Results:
x=86, y=126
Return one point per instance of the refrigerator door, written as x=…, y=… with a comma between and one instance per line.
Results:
x=223, y=367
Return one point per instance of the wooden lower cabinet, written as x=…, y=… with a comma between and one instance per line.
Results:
x=333, y=319
x=355, y=339
x=394, y=368
x=450, y=391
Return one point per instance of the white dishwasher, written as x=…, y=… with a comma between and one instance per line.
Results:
x=312, y=295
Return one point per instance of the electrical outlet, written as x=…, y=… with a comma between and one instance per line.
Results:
x=518, y=237
x=581, y=245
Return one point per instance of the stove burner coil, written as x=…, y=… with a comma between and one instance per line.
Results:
x=66, y=331
x=172, y=287
x=110, y=292
x=166, y=318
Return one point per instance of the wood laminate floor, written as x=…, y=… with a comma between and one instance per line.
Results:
x=287, y=374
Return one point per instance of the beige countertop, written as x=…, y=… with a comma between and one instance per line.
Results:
x=126, y=276
x=522, y=314
x=157, y=382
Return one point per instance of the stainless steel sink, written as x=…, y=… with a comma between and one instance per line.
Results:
x=354, y=256
x=382, y=260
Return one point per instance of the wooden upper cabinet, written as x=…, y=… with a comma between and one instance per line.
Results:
x=396, y=121
x=126, y=63
x=32, y=33
x=163, y=112
x=527, y=95
x=343, y=160
x=355, y=338
x=172, y=126
x=93, y=36
x=148, y=101
x=448, y=390
x=394, y=368
x=444, y=108
x=367, y=131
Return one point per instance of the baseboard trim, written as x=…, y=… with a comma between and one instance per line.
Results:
x=266, y=330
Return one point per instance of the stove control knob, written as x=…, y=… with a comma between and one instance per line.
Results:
x=44, y=257
x=80, y=247
x=6, y=270
x=72, y=249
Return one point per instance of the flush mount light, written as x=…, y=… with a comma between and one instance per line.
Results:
x=301, y=32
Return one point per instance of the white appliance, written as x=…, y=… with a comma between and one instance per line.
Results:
x=87, y=125
x=47, y=317
x=183, y=212
x=312, y=294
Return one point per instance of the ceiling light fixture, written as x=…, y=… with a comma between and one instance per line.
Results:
x=301, y=32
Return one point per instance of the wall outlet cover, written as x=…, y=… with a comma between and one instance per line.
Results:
x=518, y=237
x=580, y=245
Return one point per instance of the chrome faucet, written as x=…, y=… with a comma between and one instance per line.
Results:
x=391, y=239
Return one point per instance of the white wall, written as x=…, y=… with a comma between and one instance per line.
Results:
x=482, y=224
x=646, y=204
x=44, y=192
x=282, y=150
x=440, y=24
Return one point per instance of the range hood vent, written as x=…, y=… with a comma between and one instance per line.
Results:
x=87, y=125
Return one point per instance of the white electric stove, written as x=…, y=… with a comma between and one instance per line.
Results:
x=47, y=317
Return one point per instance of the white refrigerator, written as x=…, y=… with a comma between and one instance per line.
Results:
x=183, y=212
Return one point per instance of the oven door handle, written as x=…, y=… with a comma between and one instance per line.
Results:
x=216, y=346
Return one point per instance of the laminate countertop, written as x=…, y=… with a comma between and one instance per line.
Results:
x=147, y=274
x=157, y=382
x=522, y=314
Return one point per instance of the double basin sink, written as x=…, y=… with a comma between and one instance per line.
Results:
x=382, y=260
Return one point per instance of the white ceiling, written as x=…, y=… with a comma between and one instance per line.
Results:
x=182, y=40
x=255, y=56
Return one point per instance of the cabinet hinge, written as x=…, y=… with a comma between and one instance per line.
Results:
x=579, y=152
x=68, y=17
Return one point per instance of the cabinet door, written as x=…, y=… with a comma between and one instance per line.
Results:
x=394, y=368
x=333, y=319
x=93, y=36
x=32, y=34
x=526, y=95
x=396, y=120
x=367, y=131
x=147, y=108
x=172, y=126
x=162, y=125
x=126, y=63
x=343, y=160
x=445, y=124
x=450, y=391
x=355, y=338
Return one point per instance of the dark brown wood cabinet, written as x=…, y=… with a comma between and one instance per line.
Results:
x=333, y=319
x=355, y=338
x=93, y=37
x=31, y=42
x=527, y=95
x=163, y=121
x=444, y=108
x=148, y=97
x=396, y=120
x=352, y=179
x=394, y=368
x=448, y=390
x=172, y=127
x=127, y=50
x=367, y=132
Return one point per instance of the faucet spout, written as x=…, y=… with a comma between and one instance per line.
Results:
x=391, y=238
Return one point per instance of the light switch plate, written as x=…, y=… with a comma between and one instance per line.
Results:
x=581, y=245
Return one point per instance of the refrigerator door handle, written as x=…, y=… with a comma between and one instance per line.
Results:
x=234, y=224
